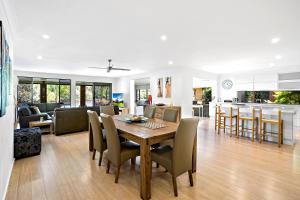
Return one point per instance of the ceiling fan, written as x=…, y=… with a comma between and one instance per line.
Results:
x=110, y=67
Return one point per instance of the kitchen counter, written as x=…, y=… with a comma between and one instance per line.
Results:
x=290, y=117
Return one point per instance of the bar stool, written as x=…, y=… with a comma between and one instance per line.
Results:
x=252, y=119
x=217, y=113
x=222, y=118
x=264, y=122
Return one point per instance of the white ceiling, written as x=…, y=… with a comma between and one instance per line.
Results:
x=218, y=36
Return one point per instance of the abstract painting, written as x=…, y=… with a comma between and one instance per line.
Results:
x=5, y=72
x=160, y=87
x=168, y=87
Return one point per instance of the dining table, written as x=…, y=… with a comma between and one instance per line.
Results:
x=146, y=134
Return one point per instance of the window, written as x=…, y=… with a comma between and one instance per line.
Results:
x=44, y=90
x=93, y=94
x=89, y=95
x=24, y=93
x=36, y=91
x=102, y=95
x=65, y=94
x=52, y=93
x=77, y=96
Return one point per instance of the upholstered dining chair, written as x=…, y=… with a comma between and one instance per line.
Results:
x=178, y=160
x=170, y=115
x=108, y=110
x=149, y=111
x=117, y=152
x=99, y=138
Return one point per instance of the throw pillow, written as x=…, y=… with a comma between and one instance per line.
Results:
x=37, y=110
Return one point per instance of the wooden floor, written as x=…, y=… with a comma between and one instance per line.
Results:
x=228, y=168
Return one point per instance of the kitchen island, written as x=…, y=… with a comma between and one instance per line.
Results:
x=290, y=117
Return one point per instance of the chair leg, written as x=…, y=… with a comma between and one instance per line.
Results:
x=108, y=166
x=191, y=178
x=253, y=131
x=100, y=159
x=117, y=174
x=157, y=165
x=94, y=154
x=175, y=186
x=242, y=127
x=264, y=131
x=279, y=135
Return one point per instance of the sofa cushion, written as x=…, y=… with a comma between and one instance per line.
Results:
x=35, y=110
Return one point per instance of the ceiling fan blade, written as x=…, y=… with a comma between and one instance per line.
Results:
x=123, y=69
x=97, y=67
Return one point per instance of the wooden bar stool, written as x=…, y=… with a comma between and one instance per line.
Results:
x=252, y=119
x=217, y=118
x=232, y=117
x=263, y=124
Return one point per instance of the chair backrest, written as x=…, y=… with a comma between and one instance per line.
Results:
x=170, y=115
x=246, y=112
x=183, y=145
x=108, y=110
x=268, y=113
x=149, y=111
x=112, y=139
x=96, y=129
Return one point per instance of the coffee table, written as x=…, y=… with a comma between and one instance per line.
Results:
x=42, y=123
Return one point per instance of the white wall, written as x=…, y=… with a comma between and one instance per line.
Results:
x=248, y=82
x=182, y=87
x=73, y=78
x=7, y=121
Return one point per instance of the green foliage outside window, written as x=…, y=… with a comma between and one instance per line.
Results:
x=287, y=97
x=52, y=93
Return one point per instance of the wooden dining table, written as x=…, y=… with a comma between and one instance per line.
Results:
x=145, y=137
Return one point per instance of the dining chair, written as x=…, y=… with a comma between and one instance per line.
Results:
x=149, y=111
x=108, y=110
x=118, y=152
x=99, y=138
x=178, y=160
x=170, y=115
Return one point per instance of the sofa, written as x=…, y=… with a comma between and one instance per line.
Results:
x=69, y=120
x=26, y=114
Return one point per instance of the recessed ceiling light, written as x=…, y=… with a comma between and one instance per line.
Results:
x=46, y=37
x=163, y=38
x=278, y=57
x=275, y=40
x=271, y=64
x=39, y=57
x=170, y=62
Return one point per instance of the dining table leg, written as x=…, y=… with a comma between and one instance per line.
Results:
x=145, y=181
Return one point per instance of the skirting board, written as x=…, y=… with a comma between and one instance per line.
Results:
x=6, y=186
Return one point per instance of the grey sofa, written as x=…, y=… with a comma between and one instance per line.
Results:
x=69, y=120
x=26, y=115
